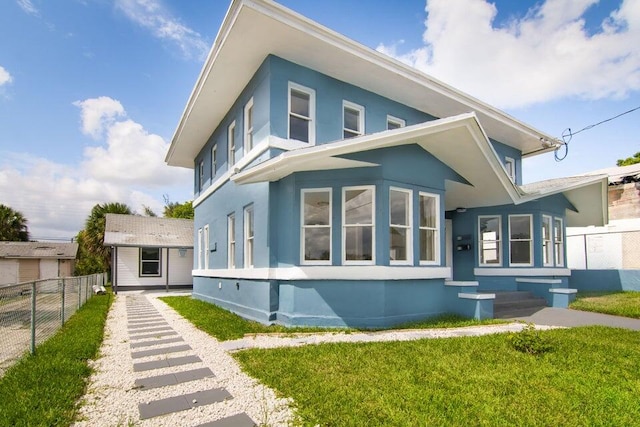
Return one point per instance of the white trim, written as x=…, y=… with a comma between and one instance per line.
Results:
x=496, y=271
x=461, y=283
x=205, y=252
x=302, y=226
x=550, y=245
x=370, y=272
x=312, y=111
x=466, y=295
x=438, y=228
x=200, y=247
x=531, y=241
x=214, y=160
x=498, y=242
x=566, y=291
x=248, y=130
x=510, y=173
x=355, y=107
x=231, y=149
x=249, y=249
x=542, y=281
x=343, y=234
x=231, y=238
x=408, y=227
x=391, y=119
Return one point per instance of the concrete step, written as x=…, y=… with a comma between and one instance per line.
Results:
x=516, y=304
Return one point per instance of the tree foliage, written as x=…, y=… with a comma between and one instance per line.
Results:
x=13, y=225
x=629, y=160
x=179, y=210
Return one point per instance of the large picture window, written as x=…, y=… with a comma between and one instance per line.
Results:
x=520, y=240
x=231, y=241
x=352, y=119
x=547, y=246
x=489, y=240
x=248, y=236
x=301, y=113
x=558, y=241
x=400, y=213
x=358, y=219
x=429, y=228
x=316, y=226
x=150, y=262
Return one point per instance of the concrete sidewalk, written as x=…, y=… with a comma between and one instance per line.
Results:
x=570, y=318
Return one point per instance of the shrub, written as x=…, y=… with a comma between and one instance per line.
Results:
x=530, y=341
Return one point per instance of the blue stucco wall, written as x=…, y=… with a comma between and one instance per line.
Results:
x=605, y=280
x=503, y=151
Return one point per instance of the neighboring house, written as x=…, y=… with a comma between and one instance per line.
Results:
x=27, y=261
x=337, y=186
x=149, y=252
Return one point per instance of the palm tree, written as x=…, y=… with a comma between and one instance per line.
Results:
x=13, y=225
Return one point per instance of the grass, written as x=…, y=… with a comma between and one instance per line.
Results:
x=43, y=389
x=225, y=325
x=625, y=304
x=591, y=376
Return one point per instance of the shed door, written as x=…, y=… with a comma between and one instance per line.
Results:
x=64, y=268
x=28, y=269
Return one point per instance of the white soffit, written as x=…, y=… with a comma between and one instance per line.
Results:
x=589, y=212
x=253, y=29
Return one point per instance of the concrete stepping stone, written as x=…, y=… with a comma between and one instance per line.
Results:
x=154, y=335
x=165, y=363
x=238, y=420
x=173, y=379
x=154, y=342
x=170, y=405
x=158, y=351
x=147, y=325
x=133, y=322
x=154, y=329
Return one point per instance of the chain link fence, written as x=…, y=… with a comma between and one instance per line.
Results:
x=32, y=312
x=619, y=250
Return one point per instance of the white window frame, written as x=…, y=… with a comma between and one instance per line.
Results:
x=531, y=241
x=498, y=242
x=436, y=229
x=231, y=144
x=360, y=109
x=248, y=129
x=510, y=167
x=200, y=247
x=249, y=241
x=214, y=160
x=205, y=253
x=395, y=120
x=558, y=243
x=231, y=240
x=407, y=227
x=372, y=225
x=201, y=175
x=304, y=227
x=547, y=242
x=312, y=111
x=159, y=262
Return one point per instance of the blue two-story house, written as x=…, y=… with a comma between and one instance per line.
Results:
x=337, y=186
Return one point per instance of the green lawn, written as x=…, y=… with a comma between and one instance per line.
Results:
x=43, y=390
x=625, y=304
x=590, y=377
x=225, y=325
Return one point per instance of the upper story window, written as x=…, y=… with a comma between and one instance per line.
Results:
x=214, y=160
x=231, y=144
x=358, y=229
x=400, y=226
x=248, y=236
x=489, y=240
x=547, y=236
x=200, y=175
x=394, y=123
x=316, y=226
x=302, y=105
x=510, y=166
x=248, y=126
x=429, y=228
x=520, y=240
x=231, y=241
x=558, y=242
x=352, y=119
x=150, y=262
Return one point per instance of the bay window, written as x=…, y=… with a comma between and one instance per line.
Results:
x=429, y=228
x=547, y=248
x=400, y=214
x=316, y=226
x=558, y=242
x=520, y=240
x=358, y=230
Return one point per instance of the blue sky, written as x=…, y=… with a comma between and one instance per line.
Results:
x=91, y=90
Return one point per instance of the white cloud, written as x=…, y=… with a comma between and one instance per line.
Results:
x=98, y=113
x=5, y=77
x=28, y=7
x=152, y=15
x=545, y=55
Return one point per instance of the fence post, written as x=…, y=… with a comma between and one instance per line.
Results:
x=33, y=318
x=80, y=294
x=62, y=306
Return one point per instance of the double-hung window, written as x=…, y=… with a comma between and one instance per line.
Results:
x=200, y=247
x=231, y=144
x=231, y=241
x=316, y=226
x=400, y=213
x=205, y=246
x=510, y=167
x=489, y=240
x=248, y=126
x=150, y=262
x=429, y=228
x=358, y=229
x=558, y=241
x=520, y=240
x=547, y=236
x=201, y=175
x=214, y=160
x=302, y=107
x=352, y=119
x=248, y=236
x=394, y=123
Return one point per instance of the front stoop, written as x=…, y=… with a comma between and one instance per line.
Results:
x=516, y=304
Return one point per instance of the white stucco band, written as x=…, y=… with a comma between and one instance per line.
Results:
x=372, y=272
x=522, y=272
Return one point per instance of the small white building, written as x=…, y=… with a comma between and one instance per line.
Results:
x=149, y=252
x=27, y=261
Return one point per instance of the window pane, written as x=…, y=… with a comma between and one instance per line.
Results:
x=398, y=250
x=520, y=227
x=317, y=208
x=349, y=134
x=317, y=244
x=149, y=254
x=150, y=268
x=359, y=244
x=427, y=245
x=298, y=129
x=428, y=214
x=300, y=103
x=520, y=252
x=399, y=207
x=393, y=125
x=489, y=252
x=490, y=228
x=352, y=119
x=358, y=206
x=249, y=222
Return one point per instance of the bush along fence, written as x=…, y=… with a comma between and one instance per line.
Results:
x=31, y=312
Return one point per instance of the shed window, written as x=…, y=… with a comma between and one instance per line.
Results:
x=150, y=262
